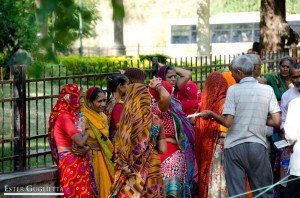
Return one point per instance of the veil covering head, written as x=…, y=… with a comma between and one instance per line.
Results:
x=68, y=102
x=188, y=96
x=162, y=72
x=135, y=75
x=207, y=131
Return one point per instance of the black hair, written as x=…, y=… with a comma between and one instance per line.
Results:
x=256, y=47
x=295, y=65
x=286, y=58
x=114, y=81
x=169, y=68
x=95, y=93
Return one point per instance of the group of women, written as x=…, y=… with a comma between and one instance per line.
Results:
x=126, y=146
x=122, y=144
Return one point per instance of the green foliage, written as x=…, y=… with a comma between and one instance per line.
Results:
x=18, y=29
x=220, y=6
x=63, y=22
x=293, y=6
x=2, y=60
x=162, y=58
x=118, y=9
x=76, y=65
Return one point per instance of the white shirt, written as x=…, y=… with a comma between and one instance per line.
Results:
x=249, y=102
x=292, y=134
x=285, y=100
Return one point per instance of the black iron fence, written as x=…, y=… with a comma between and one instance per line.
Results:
x=26, y=104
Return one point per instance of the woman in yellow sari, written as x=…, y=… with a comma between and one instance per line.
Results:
x=101, y=147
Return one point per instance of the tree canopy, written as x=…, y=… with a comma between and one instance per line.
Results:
x=217, y=6
x=18, y=28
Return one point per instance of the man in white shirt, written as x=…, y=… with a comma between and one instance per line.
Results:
x=291, y=93
x=292, y=134
x=245, y=114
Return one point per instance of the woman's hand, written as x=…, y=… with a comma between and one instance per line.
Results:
x=78, y=150
x=81, y=125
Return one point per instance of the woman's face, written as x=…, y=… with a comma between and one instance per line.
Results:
x=122, y=88
x=171, y=77
x=99, y=103
x=285, y=68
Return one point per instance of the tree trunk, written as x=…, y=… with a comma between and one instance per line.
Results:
x=203, y=28
x=119, y=47
x=272, y=25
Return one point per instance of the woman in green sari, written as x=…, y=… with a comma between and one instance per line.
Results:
x=280, y=81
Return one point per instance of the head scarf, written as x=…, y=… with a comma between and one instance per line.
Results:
x=229, y=78
x=135, y=75
x=89, y=92
x=188, y=95
x=162, y=72
x=68, y=102
x=207, y=131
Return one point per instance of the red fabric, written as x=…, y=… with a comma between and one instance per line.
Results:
x=68, y=102
x=171, y=148
x=89, y=92
x=115, y=115
x=167, y=120
x=162, y=71
x=166, y=85
x=77, y=176
x=207, y=131
x=188, y=97
x=64, y=129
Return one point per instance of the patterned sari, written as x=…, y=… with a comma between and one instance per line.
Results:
x=137, y=162
x=189, y=140
x=97, y=128
x=208, y=152
x=75, y=172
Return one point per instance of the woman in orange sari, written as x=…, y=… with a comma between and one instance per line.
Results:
x=75, y=171
x=101, y=147
x=209, y=139
x=138, y=139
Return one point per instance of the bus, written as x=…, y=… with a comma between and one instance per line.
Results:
x=231, y=33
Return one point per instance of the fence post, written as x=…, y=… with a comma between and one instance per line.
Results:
x=154, y=66
x=19, y=117
x=18, y=64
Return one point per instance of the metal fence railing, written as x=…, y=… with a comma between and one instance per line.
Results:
x=26, y=104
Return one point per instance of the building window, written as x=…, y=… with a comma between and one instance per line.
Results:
x=234, y=33
x=183, y=34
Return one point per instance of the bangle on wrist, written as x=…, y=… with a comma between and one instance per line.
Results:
x=157, y=86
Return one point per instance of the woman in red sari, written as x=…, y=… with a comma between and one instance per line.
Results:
x=75, y=171
x=209, y=139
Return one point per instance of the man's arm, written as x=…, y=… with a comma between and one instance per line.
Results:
x=284, y=109
x=225, y=120
x=274, y=120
